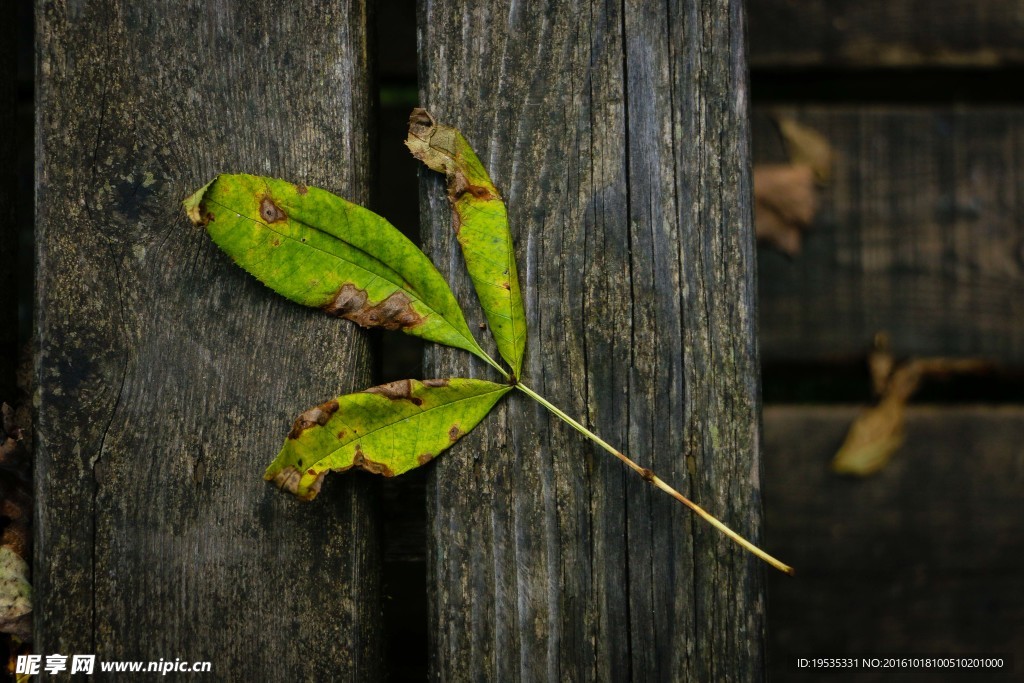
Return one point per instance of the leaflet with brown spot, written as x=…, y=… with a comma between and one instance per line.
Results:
x=480, y=221
x=386, y=430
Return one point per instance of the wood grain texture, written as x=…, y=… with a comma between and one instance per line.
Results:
x=926, y=557
x=168, y=377
x=618, y=137
x=885, y=33
x=921, y=233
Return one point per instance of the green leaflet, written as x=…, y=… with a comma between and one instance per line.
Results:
x=481, y=225
x=319, y=250
x=388, y=430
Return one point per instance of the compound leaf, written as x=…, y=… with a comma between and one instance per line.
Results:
x=320, y=250
x=481, y=225
x=388, y=430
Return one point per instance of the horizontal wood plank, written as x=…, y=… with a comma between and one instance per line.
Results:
x=920, y=233
x=926, y=557
x=885, y=33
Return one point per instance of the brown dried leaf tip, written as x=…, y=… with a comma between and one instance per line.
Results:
x=424, y=136
x=288, y=480
x=877, y=433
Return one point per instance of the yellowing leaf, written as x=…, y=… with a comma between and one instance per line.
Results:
x=481, y=226
x=15, y=594
x=320, y=250
x=388, y=430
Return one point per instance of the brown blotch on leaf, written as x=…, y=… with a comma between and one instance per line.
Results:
x=647, y=474
x=435, y=383
x=454, y=433
x=317, y=416
x=301, y=189
x=394, y=313
x=362, y=462
x=271, y=212
x=402, y=389
x=505, y=285
x=479, y=192
x=348, y=299
x=424, y=458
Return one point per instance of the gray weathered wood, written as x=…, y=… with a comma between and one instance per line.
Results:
x=886, y=33
x=926, y=557
x=618, y=136
x=168, y=377
x=920, y=233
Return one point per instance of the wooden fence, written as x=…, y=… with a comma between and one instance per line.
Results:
x=919, y=234
x=166, y=376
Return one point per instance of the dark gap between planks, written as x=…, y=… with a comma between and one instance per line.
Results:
x=927, y=86
x=399, y=356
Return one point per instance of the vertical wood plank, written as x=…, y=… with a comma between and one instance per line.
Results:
x=167, y=376
x=618, y=136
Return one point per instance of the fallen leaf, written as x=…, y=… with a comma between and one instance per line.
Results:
x=387, y=430
x=806, y=146
x=785, y=201
x=320, y=250
x=877, y=433
x=873, y=438
x=481, y=227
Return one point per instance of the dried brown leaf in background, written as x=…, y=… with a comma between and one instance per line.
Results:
x=873, y=438
x=877, y=433
x=16, y=511
x=806, y=146
x=785, y=201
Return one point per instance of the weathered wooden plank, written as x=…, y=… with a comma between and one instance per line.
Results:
x=168, y=376
x=920, y=233
x=885, y=33
x=926, y=557
x=618, y=137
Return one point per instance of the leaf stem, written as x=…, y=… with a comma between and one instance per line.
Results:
x=654, y=479
x=494, y=364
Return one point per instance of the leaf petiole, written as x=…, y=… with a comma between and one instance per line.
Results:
x=656, y=481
